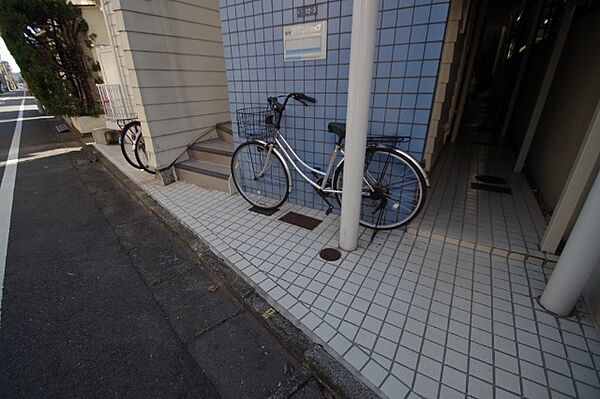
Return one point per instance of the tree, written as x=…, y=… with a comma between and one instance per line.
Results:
x=48, y=39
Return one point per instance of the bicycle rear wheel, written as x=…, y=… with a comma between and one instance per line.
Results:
x=127, y=142
x=141, y=155
x=260, y=175
x=394, y=189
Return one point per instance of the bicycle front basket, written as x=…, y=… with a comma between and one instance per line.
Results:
x=255, y=123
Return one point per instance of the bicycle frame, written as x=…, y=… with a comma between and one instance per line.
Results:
x=286, y=149
x=282, y=143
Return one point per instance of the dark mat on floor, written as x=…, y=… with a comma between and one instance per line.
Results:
x=491, y=187
x=297, y=219
x=489, y=179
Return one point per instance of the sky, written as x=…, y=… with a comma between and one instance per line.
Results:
x=5, y=56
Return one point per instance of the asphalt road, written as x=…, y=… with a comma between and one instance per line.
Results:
x=99, y=300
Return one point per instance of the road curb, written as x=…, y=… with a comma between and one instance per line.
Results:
x=325, y=367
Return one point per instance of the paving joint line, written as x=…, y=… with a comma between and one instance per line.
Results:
x=544, y=262
x=212, y=327
x=292, y=385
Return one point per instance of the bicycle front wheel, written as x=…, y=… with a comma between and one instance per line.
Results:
x=141, y=156
x=393, y=192
x=260, y=175
x=127, y=142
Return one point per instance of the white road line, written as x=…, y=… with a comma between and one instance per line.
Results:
x=7, y=188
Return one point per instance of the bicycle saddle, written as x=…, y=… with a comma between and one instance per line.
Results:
x=337, y=128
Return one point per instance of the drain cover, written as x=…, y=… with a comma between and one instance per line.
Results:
x=61, y=128
x=490, y=179
x=330, y=254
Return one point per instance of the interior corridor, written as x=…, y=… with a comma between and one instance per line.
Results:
x=475, y=198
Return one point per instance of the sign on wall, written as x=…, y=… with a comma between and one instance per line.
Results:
x=305, y=41
x=307, y=11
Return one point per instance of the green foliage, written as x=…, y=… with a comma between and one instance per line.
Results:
x=48, y=39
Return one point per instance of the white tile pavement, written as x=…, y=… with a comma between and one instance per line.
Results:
x=413, y=315
x=455, y=211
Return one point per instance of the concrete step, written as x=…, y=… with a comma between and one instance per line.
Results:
x=225, y=131
x=215, y=151
x=204, y=174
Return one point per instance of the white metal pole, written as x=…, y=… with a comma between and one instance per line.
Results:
x=362, y=53
x=579, y=259
x=582, y=171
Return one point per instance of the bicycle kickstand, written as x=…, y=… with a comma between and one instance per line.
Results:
x=324, y=197
x=375, y=231
x=379, y=208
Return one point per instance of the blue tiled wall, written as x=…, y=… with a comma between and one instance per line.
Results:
x=411, y=33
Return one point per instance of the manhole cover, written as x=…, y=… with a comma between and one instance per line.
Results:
x=330, y=254
x=490, y=179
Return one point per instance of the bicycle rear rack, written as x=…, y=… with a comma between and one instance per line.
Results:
x=388, y=141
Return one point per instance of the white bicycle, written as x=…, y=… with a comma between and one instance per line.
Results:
x=133, y=145
x=394, y=183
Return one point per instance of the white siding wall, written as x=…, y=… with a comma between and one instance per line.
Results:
x=172, y=53
x=118, y=40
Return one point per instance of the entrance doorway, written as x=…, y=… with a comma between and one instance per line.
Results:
x=511, y=67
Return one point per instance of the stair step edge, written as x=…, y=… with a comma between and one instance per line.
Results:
x=209, y=146
x=206, y=168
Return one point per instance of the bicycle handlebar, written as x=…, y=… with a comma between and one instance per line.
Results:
x=304, y=97
x=279, y=108
x=300, y=97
